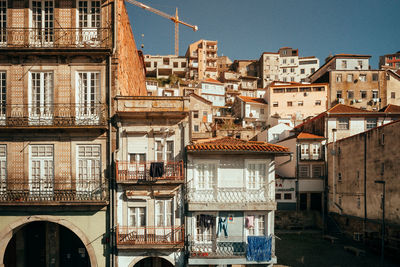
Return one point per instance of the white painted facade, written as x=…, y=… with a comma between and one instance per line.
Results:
x=214, y=92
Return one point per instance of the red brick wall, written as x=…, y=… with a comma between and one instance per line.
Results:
x=130, y=72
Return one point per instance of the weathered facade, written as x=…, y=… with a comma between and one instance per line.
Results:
x=202, y=58
x=60, y=64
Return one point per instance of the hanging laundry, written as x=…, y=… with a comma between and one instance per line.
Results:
x=250, y=221
x=222, y=226
x=156, y=169
x=259, y=248
x=205, y=220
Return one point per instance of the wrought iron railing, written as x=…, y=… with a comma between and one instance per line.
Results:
x=225, y=247
x=215, y=194
x=59, y=115
x=149, y=171
x=150, y=235
x=50, y=190
x=55, y=38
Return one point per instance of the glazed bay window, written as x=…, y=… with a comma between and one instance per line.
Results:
x=343, y=123
x=3, y=169
x=41, y=171
x=40, y=98
x=88, y=164
x=87, y=97
x=164, y=212
x=371, y=123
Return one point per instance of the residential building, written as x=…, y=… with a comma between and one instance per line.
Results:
x=59, y=70
x=308, y=169
x=152, y=133
x=213, y=91
x=288, y=64
x=356, y=200
x=202, y=58
x=296, y=101
x=275, y=133
x=347, y=121
x=232, y=86
x=200, y=117
x=248, y=86
x=246, y=67
x=231, y=201
x=390, y=60
x=269, y=68
x=224, y=63
x=352, y=82
x=253, y=112
x=307, y=66
x=162, y=67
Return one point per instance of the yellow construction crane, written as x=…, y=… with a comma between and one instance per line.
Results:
x=174, y=19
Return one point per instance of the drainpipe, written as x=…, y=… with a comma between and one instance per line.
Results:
x=365, y=184
x=297, y=178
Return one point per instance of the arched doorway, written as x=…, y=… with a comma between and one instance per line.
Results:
x=43, y=243
x=153, y=262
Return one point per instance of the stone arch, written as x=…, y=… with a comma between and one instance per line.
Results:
x=137, y=259
x=7, y=233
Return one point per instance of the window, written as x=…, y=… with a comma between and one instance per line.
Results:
x=164, y=150
x=137, y=216
x=350, y=94
x=344, y=64
x=284, y=61
x=375, y=94
x=261, y=111
x=175, y=64
x=302, y=71
x=206, y=175
x=275, y=104
x=275, y=136
x=258, y=227
x=358, y=202
x=350, y=77
x=371, y=123
x=88, y=97
x=196, y=128
x=363, y=77
x=292, y=79
x=374, y=77
x=289, y=103
x=316, y=151
x=88, y=164
x=317, y=171
x=137, y=157
x=393, y=95
x=255, y=175
x=343, y=124
x=340, y=201
x=42, y=23
x=204, y=230
x=339, y=175
x=338, y=78
x=3, y=21
x=278, y=196
x=287, y=196
x=41, y=175
x=40, y=97
x=3, y=168
x=284, y=79
x=305, y=152
x=339, y=94
x=89, y=13
x=164, y=212
x=3, y=95
x=312, y=70
x=318, y=102
x=284, y=70
x=363, y=94
x=360, y=64
x=291, y=69
x=304, y=171
x=300, y=103
x=292, y=60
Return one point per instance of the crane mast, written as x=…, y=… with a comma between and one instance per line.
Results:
x=174, y=19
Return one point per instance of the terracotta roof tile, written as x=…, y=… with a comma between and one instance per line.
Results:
x=249, y=99
x=303, y=135
x=391, y=109
x=340, y=108
x=209, y=80
x=233, y=144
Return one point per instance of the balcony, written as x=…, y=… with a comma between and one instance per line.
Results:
x=220, y=198
x=53, y=115
x=172, y=172
x=218, y=248
x=56, y=38
x=45, y=191
x=150, y=237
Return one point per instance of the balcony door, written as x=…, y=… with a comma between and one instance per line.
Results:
x=3, y=169
x=3, y=97
x=89, y=21
x=87, y=98
x=41, y=175
x=3, y=22
x=164, y=220
x=88, y=179
x=40, y=98
x=41, y=32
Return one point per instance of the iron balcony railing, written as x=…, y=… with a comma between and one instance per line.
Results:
x=216, y=194
x=218, y=248
x=150, y=235
x=56, y=115
x=72, y=38
x=47, y=190
x=149, y=171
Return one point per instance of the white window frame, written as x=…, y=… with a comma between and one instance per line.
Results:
x=164, y=217
x=205, y=181
x=88, y=169
x=315, y=151
x=256, y=177
x=260, y=224
x=88, y=33
x=371, y=123
x=41, y=110
x=138, y=215
x=41, y=170
x=3, y=96
x=203, y=235
x=87, y=97
x=343, y=125
x=3, y=22
x=164, y=149
x=3, y=169
x=304, y=151
x=41, y=34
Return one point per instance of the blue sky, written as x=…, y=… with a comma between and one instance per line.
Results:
x=245, y=29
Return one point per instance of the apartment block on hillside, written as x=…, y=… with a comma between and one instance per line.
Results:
x=202, y=58
x=162, y=67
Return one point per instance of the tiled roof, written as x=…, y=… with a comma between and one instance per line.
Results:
x=391, y=109
x=249, y=99
x=233, y=144
x=340, y=108
x=209, y=80
x=303, y=135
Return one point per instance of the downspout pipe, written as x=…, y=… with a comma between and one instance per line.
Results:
x=365, y=184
